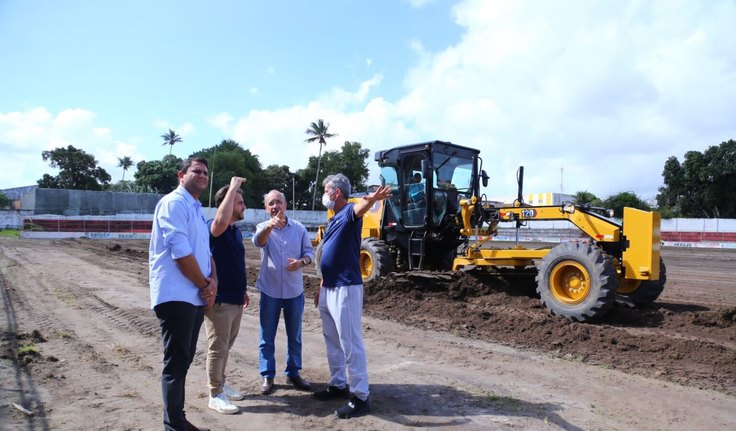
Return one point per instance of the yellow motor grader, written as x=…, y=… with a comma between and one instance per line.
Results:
x=436, y=219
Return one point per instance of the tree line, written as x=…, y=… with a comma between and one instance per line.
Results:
x=79, y=170
x=702, y=186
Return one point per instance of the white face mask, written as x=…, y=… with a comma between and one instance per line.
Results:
x=327, y=202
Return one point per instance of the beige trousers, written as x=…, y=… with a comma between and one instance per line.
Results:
x=222, y=322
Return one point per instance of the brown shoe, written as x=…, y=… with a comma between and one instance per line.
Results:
x=267, y=386
x=299, y=383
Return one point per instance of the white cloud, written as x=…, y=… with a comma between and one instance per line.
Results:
x=607, y=91
x=222, y=121
x=604, y=92
x=586, y=97
x=26, y=134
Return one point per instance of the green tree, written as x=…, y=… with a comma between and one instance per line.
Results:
x=303, y=187
x=704, y=185
x=170, y=139
x=350, y=161
x=671, y=196
x=158, y=176
x=319, y=132
x=280, y=178
x=618, y=201
x=77, y=170
x=585, y=197
x=125, y=163
x=4, y=200
x=229, y=159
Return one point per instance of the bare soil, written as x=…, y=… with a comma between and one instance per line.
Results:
x=80, y=349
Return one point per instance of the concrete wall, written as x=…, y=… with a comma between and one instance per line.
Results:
x=138, y=223
x=83, y=202
x=13, y=219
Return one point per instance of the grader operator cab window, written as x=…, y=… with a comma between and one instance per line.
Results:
x=453, y=181
x=414, y=189
x=393, y=203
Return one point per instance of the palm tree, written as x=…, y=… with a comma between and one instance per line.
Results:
x=170, y=139
x=125, y=163
x=319, y=132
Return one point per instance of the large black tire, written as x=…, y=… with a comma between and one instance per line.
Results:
x=645, y=292
x=375, y=259
x=577, y=281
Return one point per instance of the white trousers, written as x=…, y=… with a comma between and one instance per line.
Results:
x=341, y=309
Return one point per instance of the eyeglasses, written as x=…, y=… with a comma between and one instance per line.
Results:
x=199, y=172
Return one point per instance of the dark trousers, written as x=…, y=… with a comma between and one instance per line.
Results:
x=180, y=323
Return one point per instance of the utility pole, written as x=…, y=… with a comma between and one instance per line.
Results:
x=293, y=193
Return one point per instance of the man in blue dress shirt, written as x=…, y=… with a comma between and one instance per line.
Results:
x=285, y=249
x=182, y=280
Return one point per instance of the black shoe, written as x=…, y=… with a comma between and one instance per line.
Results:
x=356, y=407
x=191, y=427
x=332, y=393
x=299, y=383
x=267, y=386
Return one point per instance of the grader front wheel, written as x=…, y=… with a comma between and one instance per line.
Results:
x=643, y=292
x=576, y=281
x=375, y=259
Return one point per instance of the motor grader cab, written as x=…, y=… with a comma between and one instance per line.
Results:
x=436, y=207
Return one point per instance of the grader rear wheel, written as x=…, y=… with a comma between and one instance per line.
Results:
x=643, y=292
x=576, y=281
x=375, y=259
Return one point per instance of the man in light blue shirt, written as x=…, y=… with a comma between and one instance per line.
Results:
x=285, y=249
x=182, y=280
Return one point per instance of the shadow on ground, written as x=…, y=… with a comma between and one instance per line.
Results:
x=419, y=406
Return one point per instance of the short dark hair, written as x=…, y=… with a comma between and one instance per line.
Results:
x=186, y=163
x=220, y=195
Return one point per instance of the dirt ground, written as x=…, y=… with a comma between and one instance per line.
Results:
x=80, y=349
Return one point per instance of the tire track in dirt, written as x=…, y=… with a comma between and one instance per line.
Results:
x=134, y=321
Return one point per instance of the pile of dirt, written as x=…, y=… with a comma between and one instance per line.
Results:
x=691, y=345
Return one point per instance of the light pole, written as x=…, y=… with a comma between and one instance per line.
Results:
x=293, y=193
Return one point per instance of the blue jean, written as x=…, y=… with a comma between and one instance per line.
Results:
x=270, y=312
x=180, y=323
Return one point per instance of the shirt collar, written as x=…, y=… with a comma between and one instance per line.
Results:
x=180, y=190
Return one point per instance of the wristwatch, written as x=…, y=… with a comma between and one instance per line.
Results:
x=306, y=261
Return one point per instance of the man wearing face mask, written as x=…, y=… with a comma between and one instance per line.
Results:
x=340, y=297
x=285, y=249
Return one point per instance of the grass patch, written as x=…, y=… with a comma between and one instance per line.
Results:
x=26, y=354
x=9, y=233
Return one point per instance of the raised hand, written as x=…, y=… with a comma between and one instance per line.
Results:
x=236, y=182
x=379, y=194
x=278, y=221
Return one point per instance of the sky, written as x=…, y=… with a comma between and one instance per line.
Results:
x=586, y=95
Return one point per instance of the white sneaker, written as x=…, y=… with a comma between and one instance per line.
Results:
x=232, y=393
x=223, y=405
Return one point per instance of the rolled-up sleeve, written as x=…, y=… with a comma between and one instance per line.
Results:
x=307, y=249
x=259, y=228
